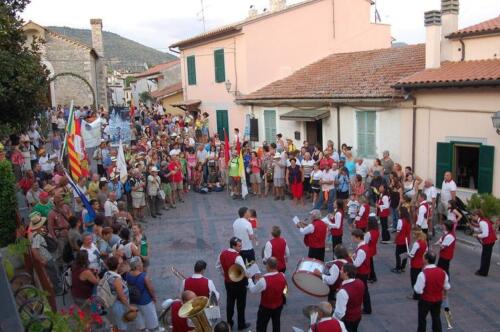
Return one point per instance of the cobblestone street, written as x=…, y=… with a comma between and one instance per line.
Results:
x=201, y=227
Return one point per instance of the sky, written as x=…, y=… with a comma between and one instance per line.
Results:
x=159, y=23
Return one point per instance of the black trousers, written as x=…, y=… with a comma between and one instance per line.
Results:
x=400, y=249
x=486, y=259
x=317, y=253
x=100, y=170
x=386, y=236
x=247, y=255
x=236, y=293
x=413, y=275
x=372, y=276
x=444, y=264
x=352, y=326
x=265, y=314
x=435, y=309
x=336, y=240
x=367, y=303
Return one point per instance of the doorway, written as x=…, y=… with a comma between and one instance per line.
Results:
x=314, y=132
x=466, y=165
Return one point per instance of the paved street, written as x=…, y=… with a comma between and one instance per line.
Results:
x=202, y=226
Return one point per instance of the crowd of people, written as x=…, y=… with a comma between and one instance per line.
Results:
x=171, y=155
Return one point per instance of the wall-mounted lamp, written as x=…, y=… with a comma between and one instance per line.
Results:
x=228, y=88
x=496, y=121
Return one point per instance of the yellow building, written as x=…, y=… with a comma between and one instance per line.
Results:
x=169, y=95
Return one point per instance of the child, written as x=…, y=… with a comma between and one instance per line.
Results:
x=254, y=222
x=352, y=209
x=191, y=164
x=198, y=177
x=184, y=166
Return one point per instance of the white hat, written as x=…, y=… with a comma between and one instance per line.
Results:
x=154, y=169
x=174, y=152
x=103, y=179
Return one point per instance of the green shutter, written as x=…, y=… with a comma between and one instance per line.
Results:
x=191, y=68
x=270, y=126
x=220, y=70
x=443, y=161
x=222, y=123
x=485, y=176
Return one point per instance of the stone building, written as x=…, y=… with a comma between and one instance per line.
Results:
x=77, y=70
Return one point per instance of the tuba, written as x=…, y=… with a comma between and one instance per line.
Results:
x=195, y=311
x=237, y=273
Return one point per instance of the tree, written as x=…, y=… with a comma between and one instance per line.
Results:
x=145, y=97
x=8, y=203
x=23, y=79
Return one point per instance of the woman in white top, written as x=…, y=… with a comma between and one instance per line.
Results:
x=307, y=168
x=454, y=214
x=411, y=185
x=315, y=182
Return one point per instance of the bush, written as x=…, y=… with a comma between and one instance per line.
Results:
x=489, y=204
x=8, y=204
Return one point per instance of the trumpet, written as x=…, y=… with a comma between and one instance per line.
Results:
x=237, y=273
x=178, y=274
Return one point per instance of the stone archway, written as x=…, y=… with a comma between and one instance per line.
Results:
x=53, y=78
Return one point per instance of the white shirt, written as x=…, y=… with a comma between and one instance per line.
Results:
x=420, y=284
x=446, y=189
x=431, y=193
x=341, y=301
x=238, y=260
x=362, y=170
x=242, y=229
x=342, y=326
x=268, y=250
x=94, y=256
x=337, y=221
x=110, y=208
x=385, y=203
x=367, y=238
x=333, y=275
x=211, y=286
x=447, y=240
x=359, y=256
x=329, y=176
x=46, y=164
x=261, y=285
x=309, y=229
x=361, y=212
x=421, y=220
x=414, y=249
x=484, y=229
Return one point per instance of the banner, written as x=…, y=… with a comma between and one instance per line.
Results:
x=91, y=133
x=119, y=125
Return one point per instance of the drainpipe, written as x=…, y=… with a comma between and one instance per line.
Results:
x=338, y=128
x=413, y=132
x=461, y=40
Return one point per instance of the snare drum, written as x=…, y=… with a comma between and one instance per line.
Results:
x=305, y=279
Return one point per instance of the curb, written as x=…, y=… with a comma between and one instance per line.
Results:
x=476, y=245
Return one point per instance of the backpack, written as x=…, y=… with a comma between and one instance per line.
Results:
x=128, y=186
x=134, y=293
x=50, y=243
x=104, y=295
x=67, y=254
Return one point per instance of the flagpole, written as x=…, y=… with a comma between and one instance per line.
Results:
x=66, y=134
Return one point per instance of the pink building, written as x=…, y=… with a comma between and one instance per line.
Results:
x=234, y=60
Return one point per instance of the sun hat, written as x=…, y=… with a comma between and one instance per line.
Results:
x=48, y=188
x=36, y=220
x=154, y=169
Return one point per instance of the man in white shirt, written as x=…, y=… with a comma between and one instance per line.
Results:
x=110, y=206
x=198, y=283
x=325, y=321
x=327, y=185
x=361, y=168
x=431, y=193
x=448, y=192
x=242, y=229
x=423, y=210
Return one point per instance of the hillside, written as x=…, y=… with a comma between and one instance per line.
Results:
x=121, y=53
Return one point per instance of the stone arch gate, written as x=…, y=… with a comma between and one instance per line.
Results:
x=53, y=78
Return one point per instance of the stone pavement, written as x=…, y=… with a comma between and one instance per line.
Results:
x=201, y=227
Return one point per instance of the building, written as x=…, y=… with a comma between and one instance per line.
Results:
x=116, y=86
x=77, y=71
x=237, y=59
x=168, y=96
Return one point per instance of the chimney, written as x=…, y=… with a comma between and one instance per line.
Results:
x=449, y=19
x=252, y=12
x=100, y=65
x=97, y=45
x=275, y=5
x=432, y=39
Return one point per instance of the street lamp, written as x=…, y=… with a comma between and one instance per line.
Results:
x=228, y=88
x=496, y=121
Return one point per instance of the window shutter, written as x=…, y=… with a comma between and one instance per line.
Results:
x=191, y=68
x=220, y=70
x=366, y=133
x=486, y=161
x=222, y=123
x=270, y=125
x=443, y=161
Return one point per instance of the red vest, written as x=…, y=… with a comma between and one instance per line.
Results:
x=227, y=258
x=492, y=236
x=317, y=238
x=355, y=290
x=362, y=223
x=197, y=285
x=434, y=284
x=374, y=235
x=272, y=296
x=417, y=262
x=385, y=213
x=364, y=268
x=404, y=233
x=179, y=324
x=278, y=251
x=424, y=203
x=331, y=325
x=338, y=282
x=447, y=252
x=339, y=231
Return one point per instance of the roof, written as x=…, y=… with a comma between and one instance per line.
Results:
x=60, y=36
x=305, y=115
x=167, y=91
x=236, y=27
x=367, y=74
x=484, y=28
x=159, y=68
x=456, y=74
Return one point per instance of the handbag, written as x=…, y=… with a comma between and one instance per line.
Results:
x=162, y=194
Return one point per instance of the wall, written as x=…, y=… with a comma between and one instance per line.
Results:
x=170, y=76
x=168, y=101
x=478, y=48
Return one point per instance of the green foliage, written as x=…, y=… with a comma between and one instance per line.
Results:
x=489, y=204
x=23, y=79
x=128, y=80
x=8, y=204
x=145, y=96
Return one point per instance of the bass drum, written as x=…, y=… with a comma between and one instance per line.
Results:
x=305, y=279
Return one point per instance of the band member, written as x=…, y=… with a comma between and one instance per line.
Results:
x=242, y=229
x=333, y=278
x=432, y=284
x=361, y=260
x=180, y=324
x=485, y=233
x=383, y=211
x=416, y=255
x=272, y=287
x=423, y=212
x=236, y=291
x=314, y=235
x=402, y=240
x=198, y=284
x=278, y=248
x=361, y=221
x=447, y=247
x=349, y=298
x=327, y=323
x=336, y=224
x=371, y=239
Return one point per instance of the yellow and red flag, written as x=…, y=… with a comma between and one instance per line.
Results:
x=77, y=157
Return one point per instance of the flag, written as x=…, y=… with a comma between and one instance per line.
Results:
x=238, y=145
x=74, y=147
x=121, y=164
x=82, y=197
x=241, y=174
x=227, y=154
x=132, y=108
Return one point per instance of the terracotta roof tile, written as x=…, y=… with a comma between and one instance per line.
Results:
x=367, y=74
x=158, y=68
x=463, y=73
x=483, y=28
x=167, y=91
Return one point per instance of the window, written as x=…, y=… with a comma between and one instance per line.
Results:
x=191, y=70
x=222, y=123
x=270, y=126
x=366, y=134
x=220, y=70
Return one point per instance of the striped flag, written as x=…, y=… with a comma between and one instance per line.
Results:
x=78, y=165
x=241, y=173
